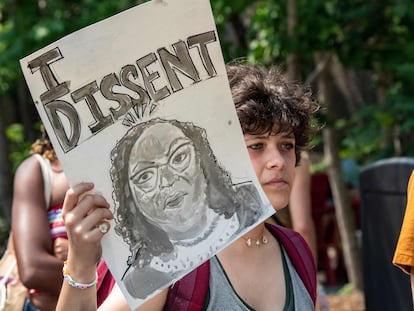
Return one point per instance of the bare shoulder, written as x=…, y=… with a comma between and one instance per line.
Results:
x=28, y=176
x=28, y=169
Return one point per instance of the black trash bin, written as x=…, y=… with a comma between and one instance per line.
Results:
x=383, y=187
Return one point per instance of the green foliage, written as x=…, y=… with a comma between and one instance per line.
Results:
x=226, y=12
x=375, y=32
x=19, y=146
x=346, y=289
x=267, y=33
x=374, y=36
x=372, y=133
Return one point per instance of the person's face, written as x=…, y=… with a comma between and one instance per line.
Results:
x=273, y=158
x=166, y=178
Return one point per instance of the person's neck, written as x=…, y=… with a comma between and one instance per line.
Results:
x=253, y=240
x=249, y=254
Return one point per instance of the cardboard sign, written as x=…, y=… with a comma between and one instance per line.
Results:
x=139, y=104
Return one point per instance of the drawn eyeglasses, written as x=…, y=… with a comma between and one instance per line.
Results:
x=180, y=159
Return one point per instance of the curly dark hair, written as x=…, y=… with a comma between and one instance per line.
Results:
x=267, y=103
x=137, y=231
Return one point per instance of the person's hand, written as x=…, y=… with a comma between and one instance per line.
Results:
x=60, y=248
x=43, y=301
x=86, y=217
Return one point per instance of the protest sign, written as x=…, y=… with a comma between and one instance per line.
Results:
x=140, y=105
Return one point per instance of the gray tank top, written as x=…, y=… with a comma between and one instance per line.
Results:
x=222, y=295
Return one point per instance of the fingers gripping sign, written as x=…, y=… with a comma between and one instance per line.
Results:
x=86, y=218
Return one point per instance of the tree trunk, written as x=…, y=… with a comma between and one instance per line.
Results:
x=292, y=58
x=27, y=111
x=6, y=178
x=343, y=208
x=391, y=135
x=346, y=86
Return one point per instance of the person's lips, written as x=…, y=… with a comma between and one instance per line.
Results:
x=276, y=182
x=174, y=200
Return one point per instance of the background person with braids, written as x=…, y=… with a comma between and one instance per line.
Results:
x=39, y=235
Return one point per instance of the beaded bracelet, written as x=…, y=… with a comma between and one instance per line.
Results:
x=75, y=284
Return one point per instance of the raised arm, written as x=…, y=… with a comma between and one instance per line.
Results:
x=82, y=213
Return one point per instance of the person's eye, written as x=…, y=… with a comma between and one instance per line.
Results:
x=144, y=177
x=288, y=146
x=181, y=158
x=257, y=146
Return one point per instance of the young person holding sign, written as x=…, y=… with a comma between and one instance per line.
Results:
x=268, y=268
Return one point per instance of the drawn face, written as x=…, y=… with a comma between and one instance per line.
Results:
x=273, y=158
x=166, y=179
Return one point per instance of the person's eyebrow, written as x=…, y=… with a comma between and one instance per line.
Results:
x=141, y=165
x=253, y=137
x=265, y=136
x=178, y=142
x=288, y=135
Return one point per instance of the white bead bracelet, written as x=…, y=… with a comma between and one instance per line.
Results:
x=75, y=284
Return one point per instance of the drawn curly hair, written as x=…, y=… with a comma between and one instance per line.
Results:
x=137, y=231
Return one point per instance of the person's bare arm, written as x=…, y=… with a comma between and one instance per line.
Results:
x=60, y=248
x=300, y=206
x=38, y=267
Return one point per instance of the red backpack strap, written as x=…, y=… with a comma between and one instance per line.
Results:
x=189, y=293
x=299, y=254
x=105, y=282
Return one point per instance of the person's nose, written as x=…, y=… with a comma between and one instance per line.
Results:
x=167, y=177
x=274, y=158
